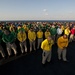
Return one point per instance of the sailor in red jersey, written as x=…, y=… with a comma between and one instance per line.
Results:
x=72, y=34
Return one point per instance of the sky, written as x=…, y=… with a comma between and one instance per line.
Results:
x=37, y=9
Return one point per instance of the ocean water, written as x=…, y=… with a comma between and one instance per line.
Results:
x=38, y=21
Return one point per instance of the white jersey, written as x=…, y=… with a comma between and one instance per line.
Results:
x=59, y=31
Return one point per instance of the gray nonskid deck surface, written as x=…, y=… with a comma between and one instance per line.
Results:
x=29, y=64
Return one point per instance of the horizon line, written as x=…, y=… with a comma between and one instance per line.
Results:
x=37, y=20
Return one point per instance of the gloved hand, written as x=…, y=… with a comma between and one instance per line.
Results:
x=64, y=47
x=8, y=42
x=44, y=53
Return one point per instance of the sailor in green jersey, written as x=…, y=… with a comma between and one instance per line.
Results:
x=53, y=32
x=1, y=48
x=9, y=39
x=44, y=28
x=29, y=26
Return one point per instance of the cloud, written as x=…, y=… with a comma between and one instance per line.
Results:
x=44, y=10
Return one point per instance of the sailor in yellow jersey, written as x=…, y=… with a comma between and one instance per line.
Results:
x=62, y=43
x=47, y=33
x=32, y=38
x=67, y=31
x=19, y=27
x=40, y=37
x=25, y=27
x=21, y=36
x=46, y=46
x=11, y=27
